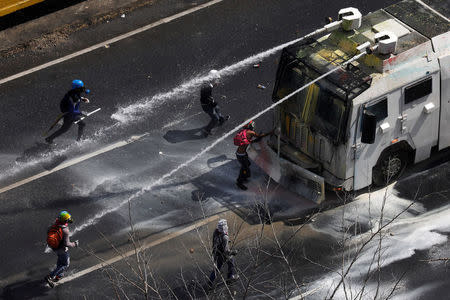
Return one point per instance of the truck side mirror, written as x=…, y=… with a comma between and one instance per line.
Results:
x=369, y=127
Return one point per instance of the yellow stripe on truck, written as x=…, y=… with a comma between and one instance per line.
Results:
x=9, y=6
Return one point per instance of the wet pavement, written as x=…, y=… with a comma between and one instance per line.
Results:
x=138, y=83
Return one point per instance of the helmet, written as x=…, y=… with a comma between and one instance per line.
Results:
x=222, y=226
x=65, y=217
x=76, y=84
x=214, y=73
x=214, y=77
x=250, y=125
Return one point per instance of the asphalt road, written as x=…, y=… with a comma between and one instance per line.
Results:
x=138, y=83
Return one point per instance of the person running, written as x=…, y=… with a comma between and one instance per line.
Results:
x=243, y=138
x=209, y=105
x=221, y=253
x=70, y=107
x=58, y=238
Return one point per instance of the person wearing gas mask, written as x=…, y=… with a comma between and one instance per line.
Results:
x=222, y=253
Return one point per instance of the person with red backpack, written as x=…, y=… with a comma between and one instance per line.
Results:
x=58, y=239
x=243, y=138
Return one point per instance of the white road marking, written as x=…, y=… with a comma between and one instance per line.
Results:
x=111, y=41
x=73, y=162
x=132, y=252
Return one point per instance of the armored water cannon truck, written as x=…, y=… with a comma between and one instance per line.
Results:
x=363, y=123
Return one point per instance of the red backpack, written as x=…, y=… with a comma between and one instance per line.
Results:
x=54, y=236
x=240, y=139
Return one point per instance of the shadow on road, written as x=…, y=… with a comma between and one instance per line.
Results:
x=264, y=197
x=191, y=290
x=37, y=150
x=429, y=187
x=25, y=290
x=40, y=150
x=178, y=136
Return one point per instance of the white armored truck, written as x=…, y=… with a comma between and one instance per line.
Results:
x=364, y=123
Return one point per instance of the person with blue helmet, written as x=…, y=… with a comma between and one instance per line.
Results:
x=70, y=107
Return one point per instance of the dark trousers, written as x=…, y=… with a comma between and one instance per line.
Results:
x=219, y=260
x=244, y=172
x=62, y=263
x=216, y=118
x=68, y=121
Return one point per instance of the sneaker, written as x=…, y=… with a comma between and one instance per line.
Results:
x=205, y=133
x=241, y=186
x=57, y=278
x=226, y=118
x=49, y=280
x=233, y=278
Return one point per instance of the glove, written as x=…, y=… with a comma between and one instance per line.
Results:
x=85, y=100
x=233, y=252
x=76, y=243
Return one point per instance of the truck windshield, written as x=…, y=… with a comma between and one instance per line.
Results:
x=327, y=117
x=315, y=106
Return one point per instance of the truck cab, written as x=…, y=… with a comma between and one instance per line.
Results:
x=363, y=123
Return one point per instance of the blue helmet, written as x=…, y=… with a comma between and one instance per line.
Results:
x=76, y=84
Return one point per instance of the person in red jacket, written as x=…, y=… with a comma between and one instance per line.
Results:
x=62, y=251
x=247, y=136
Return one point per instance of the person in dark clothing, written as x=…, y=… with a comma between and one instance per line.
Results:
x=247, y=136
x=70, y=107
x=222, y=253
x=210, y=106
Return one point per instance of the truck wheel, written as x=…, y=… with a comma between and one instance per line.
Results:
x=389, y=167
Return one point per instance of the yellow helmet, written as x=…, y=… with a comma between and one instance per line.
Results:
x=64, y=217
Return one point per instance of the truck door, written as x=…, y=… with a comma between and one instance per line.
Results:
x=386, y=109
x=420, y=114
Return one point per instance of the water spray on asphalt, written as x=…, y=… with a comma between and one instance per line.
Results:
x=94, y=219
x=137, y=111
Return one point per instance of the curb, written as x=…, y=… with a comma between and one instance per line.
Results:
x=65, y=21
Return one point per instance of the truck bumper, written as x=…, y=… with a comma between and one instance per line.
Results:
x=295, y=178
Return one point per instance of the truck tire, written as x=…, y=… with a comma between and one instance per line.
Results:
x=390, y=166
